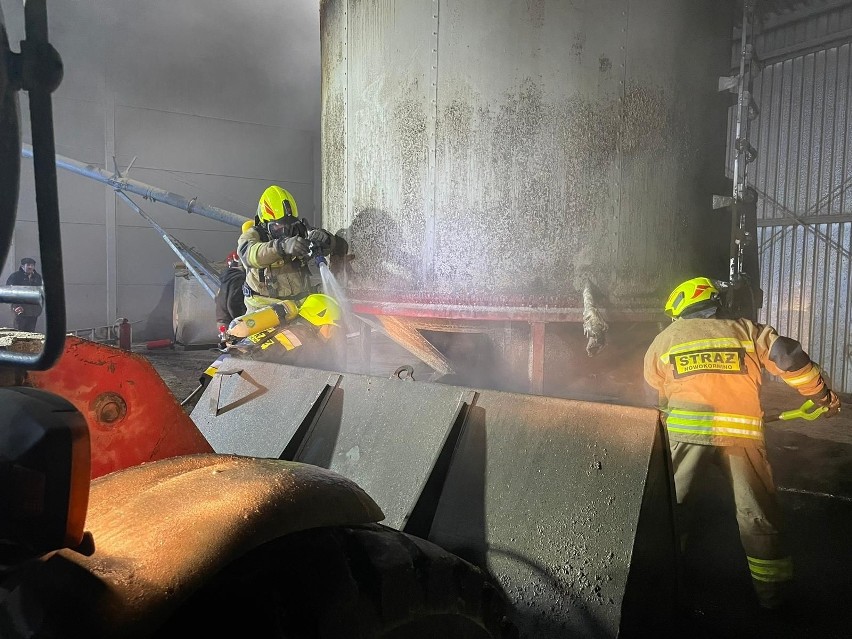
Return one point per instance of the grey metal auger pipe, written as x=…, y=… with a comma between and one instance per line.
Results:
x=145, y=190
x=170, y=243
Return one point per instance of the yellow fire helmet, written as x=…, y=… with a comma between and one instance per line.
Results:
x=690, y=293
x=320, y=310
x=276, y=203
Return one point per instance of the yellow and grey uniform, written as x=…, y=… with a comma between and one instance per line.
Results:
x=297, y=343
x=269, y=277
x=708, y=375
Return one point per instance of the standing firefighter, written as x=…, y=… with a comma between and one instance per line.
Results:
x=708, y=371
x=275, y=250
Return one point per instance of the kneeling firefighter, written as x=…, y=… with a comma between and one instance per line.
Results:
x=708, y=372
x=306, y=335
x=275, y=249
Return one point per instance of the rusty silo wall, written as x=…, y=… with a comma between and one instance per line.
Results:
x=504, y=153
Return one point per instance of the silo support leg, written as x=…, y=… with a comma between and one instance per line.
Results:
x=366, y=343
x=536, y=368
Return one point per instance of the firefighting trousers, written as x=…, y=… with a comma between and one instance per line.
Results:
x=759, y=519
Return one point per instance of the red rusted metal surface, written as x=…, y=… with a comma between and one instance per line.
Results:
x=132, y=416
x=492, y=312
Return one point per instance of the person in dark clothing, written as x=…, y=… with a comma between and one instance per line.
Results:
x=25, y=315
x=230, y=302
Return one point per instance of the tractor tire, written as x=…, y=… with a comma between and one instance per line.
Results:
x=363, y=582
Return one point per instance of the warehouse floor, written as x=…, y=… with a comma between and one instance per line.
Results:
x=812, y=462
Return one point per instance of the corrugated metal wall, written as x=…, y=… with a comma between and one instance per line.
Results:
x=803, y=175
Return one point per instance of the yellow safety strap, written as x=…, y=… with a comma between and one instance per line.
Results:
x=257, y=302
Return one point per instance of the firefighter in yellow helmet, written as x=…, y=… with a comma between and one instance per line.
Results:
x=276, y=248
x=707, y=371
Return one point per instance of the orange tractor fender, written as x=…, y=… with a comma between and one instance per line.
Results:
x=132, y=415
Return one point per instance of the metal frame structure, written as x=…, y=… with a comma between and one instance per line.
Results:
x=196, y=264
x=803, y=180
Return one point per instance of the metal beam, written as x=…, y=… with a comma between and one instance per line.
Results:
x=147, y=191
x=807, y=10
x=834, y=218
x=173, y=244
x=839, y=189
x=813, y=45
x=536, y=362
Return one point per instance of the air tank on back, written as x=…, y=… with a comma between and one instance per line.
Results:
x=492, y=159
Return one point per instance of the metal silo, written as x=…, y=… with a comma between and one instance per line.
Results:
x=489, y=160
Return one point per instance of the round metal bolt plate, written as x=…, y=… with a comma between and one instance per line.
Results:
x=109, y=408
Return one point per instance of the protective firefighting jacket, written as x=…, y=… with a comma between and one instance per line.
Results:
x=269, y=277
x=708, y=374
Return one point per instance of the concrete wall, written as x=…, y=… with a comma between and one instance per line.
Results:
x=214, y=99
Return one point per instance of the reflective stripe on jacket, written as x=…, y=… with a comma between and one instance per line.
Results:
x=708, y=374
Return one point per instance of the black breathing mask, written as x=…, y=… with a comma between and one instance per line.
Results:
x=287, y=226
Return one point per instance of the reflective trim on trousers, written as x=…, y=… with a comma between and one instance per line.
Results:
x=771, y=570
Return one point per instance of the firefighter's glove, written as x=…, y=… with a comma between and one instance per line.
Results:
x=831, y=401
x=320, y=237
x=292, y=247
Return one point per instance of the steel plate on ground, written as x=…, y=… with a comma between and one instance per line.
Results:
x=255, y=408
x=569, y=504
x=386, y=435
